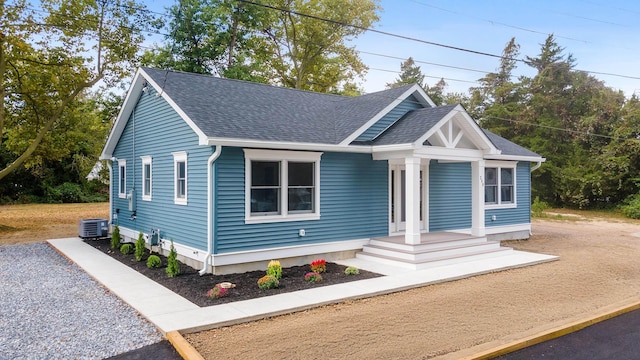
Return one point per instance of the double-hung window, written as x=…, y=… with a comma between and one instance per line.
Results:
x=146, y=178
x=122, y=178
x=281, y=185
x=180, y=178
x=500, y=184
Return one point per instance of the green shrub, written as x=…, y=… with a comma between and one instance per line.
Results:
x=65, y=193
x=313, y=277
x=351, y=270
x=154, y=262
x=274, y=269
x=126, y=249
x=140, y=247
x=631, y=209
x=115, y=238
x=173, y=266
x=538, y=207
x=268, y=282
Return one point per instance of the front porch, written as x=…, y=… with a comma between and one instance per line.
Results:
x=433, y=249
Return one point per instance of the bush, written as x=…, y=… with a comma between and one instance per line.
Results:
x=631, y=209
x=115, y=238
x=538, y=207
x=217, y=292
x=154, y=262
x=268, y=282
x=274, y=269
x=126, y=249
x=65, y=193
x=319, y=266
x=140, y=247
x=313, y=277
x=173, y=266
x=351, y=270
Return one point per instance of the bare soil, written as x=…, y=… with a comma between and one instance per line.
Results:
x=193, y=287
x=38, y=222
x=599, y=268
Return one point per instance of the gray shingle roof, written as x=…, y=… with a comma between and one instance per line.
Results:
x=413, y=125
x=243, y=110
x=508, y=147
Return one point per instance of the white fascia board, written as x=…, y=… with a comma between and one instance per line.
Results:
x=123, y=116
x=435, y=128
x=515, y=158
x=263, y=144
x=439, y=153
x=411, y=91
x=201, y=135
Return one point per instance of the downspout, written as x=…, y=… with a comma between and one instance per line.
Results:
x=536, y=166
x=211, y=172
x=109, y=162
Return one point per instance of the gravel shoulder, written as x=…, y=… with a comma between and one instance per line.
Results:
x=598, y=269
x=52, y=309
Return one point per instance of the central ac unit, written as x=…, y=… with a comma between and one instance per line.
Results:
x=93, y=228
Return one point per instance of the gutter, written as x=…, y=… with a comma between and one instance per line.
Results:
x=109, y=162
x=536, y=166
x=208, y=260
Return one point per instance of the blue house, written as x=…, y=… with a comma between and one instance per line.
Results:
x=238, y=173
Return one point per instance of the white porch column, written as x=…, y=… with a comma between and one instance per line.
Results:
x=412, y=203
x=477, y=198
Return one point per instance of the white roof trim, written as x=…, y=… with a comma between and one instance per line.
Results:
x=515, y=158
x=130, y=102
x=414, y=90
x=263, y=144
x=473, y=131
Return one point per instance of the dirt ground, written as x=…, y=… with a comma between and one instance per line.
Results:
x=38, y=222
x=599, y=268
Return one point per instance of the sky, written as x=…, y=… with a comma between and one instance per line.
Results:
x=603, y=37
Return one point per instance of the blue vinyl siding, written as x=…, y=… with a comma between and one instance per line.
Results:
x=408, y=104
x=353, y=204
x=521, y=214
x=159, y=131
x=449, y=196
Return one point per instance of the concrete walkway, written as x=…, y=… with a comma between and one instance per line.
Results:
x=171, y=312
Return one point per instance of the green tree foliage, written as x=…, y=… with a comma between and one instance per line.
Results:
x=49, y=60
x=410, y=73
x=249, y=42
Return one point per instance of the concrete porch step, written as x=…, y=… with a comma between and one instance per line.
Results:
x=435, y=261
x=422, y=253
x=428, y=243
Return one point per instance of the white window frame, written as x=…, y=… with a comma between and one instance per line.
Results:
x=499, y=165
x=146, y=160
x=284, y=157
x=179, y=157
x=122, y=185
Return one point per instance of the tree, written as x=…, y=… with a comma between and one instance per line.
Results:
x=410, y=73
x=47, y=62
x=307, y=53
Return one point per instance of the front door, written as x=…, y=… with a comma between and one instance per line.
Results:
x=398, y=215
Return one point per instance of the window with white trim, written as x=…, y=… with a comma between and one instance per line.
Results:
x=122, y=179
x=500, y=185
x=146, y=178
x=281, y=185
x=180, y=181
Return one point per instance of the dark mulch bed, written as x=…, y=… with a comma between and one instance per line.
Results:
x=193, y=287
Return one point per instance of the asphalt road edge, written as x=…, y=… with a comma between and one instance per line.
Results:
x=183, y=347
x=551, y=334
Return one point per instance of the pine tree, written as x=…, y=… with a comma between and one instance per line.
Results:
x=410, y=73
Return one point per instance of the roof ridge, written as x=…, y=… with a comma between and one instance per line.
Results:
x=246, y=82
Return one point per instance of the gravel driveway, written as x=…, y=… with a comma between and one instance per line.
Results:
x=51, y=309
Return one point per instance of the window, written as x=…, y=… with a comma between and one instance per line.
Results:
x=122, y=178
x=146, y=178
x=499, y=185
x=180, y=177
x=281, y=185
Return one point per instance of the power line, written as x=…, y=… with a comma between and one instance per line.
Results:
x=423, y=62
x=336, y=22
x=427, y=76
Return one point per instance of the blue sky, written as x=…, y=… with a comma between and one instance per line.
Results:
x=602, y=35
